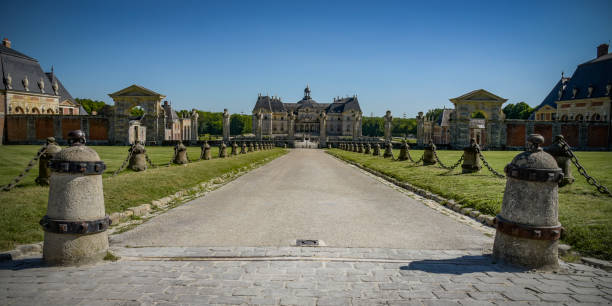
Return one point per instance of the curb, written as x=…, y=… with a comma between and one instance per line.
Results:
x=564, y=249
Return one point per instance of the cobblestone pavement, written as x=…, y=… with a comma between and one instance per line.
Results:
x=298, y=276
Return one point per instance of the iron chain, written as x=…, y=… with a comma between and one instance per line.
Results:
x=27, y=169
x=125, y=162
x=435, y=152
x=591, y=180
x=484, y=161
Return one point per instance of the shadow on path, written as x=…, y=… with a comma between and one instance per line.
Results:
x=461, y=265
x=22, y=264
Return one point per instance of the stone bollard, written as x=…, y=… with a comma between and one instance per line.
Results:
x=329, y=145
x=360, y=148
x=206, y=152
x=388, y=150
x=528, y=228
x=428, y=155
x=376, y=149
x=180, y=154
x=557, y=150
x=353, y=147
x=43, y=163
x=222, y=150
x=284, y=145
x=243, y=148
x=138, y=160
x=368, y=149
x=234, y=149
x=250, y=148
x=257, y=146
x=471, y=158
x=403, y=151
x=75, y=224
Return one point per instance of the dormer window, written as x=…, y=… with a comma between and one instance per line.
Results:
x=590, y=91
x=574, y=92
x=608, y=89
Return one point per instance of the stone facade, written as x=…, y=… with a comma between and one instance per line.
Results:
x=273, y=117
x=161, y=121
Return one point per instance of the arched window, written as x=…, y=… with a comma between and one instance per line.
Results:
x=19, y=110
x=35, y=110
x=564, y=118
x=579, y=117
x=595, y=117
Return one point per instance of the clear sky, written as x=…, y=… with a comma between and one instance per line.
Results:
x=399, y=55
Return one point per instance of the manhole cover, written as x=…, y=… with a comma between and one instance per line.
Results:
x=306, y=242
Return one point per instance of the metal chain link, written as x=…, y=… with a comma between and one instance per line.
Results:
x=412, y=160
x=27, y=169
x=125, y=162
x=435, y=152
x=591, y=180
x=148, y=159
x=484, y=161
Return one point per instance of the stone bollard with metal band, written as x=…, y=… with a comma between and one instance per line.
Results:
x=376, y=149
x=256, y=146
x=403, y=151
x=360, y=148
x=234, y=149
x=222, y=150
x=528, y=228
x=368, y=149
x=250, y=147
x=428, y=155
x=206, y=152
x=471, y=158
x=329, y=145
x=43, y=163
x=562, y=156
x=138, y=159
x=180, y=154
x=243, y=148
x=388, y=150
x=75, y=224
x=353, y=147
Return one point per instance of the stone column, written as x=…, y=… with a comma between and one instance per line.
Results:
x=226, y=125
x=194, y=124
x=291, y=127
x=323, y=130
x=258, y=124
x=388, y=123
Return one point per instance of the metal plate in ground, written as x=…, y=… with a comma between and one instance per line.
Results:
x=307, y=242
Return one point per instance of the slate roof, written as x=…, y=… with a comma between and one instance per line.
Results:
x=18, y=66
x=61, y=90
x=268, y=103
x=596, y=72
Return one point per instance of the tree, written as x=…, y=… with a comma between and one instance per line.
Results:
x=91, y=105
x=519, y=110
x=236, y=124
x=479, y=115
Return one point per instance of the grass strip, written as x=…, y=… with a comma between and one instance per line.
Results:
x=585, y=214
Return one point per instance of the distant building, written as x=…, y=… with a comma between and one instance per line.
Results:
x=26, y=89
x=160, y=121
x=585, y=96
x=343, y=115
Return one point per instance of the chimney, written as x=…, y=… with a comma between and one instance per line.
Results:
x=7, y=43
x=601, y=49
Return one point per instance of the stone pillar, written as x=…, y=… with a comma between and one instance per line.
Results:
x=138, y=161
x=258, y=125
x=75, y=224
x=180, y=154
x=194, y=124
x=562, y=157
x=44, y=172
x=291, y=126
x=471, y=158
x=388, y=125
x=528, y=228
x=226, y=125
x=323, y=130
x=428, y=155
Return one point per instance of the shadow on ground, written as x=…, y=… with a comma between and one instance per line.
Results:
x=460, y=265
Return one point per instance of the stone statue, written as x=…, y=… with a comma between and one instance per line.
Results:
x=226, y=125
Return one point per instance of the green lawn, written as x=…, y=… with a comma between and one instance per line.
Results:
x=585, y=214
x=22, y=207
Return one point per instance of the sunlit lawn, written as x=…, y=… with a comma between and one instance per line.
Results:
x=22, y=207
x=585, y=214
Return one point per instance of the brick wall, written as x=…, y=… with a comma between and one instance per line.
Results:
x=44, y=128
x=598, y=136
x=515, y=135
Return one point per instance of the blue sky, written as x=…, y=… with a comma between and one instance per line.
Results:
x=399, y=55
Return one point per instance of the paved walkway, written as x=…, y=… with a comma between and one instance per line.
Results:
x=306, y=194
x=384, y=248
